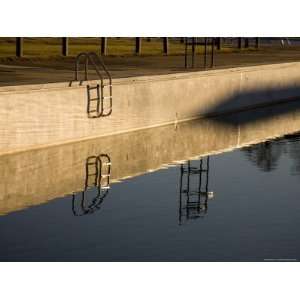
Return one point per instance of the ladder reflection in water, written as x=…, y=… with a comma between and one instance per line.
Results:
x=194, y=190
x=97, y=169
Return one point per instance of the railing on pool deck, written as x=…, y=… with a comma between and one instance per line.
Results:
x=194, y=42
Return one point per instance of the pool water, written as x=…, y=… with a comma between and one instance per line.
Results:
x=238, y=205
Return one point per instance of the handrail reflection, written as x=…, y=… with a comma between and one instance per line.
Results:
x=194, y=192
x=98, y=169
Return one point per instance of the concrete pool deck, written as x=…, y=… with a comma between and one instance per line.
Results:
x=34, y=70
x=35, y=115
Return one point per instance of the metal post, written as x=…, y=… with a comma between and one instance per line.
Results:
x=185, y=52
x=257, y=43
x=219, y=43
x=166, y=45
x=212, y=52
x=65, y=46
x=193, y=51
x=240, y=43
x=19, y=46
x=246, y=42
x=138, y=46
x=103, y=46
x=205, y=51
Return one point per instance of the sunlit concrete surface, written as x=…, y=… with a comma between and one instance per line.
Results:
x=34, y=116
x=37, y=176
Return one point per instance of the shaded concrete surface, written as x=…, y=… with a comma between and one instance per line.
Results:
x=57, y=69
x=61, y=170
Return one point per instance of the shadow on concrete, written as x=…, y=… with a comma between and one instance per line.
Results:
x=260, y=108
x=244, y=108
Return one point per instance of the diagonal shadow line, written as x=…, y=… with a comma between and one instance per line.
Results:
x=239, y=108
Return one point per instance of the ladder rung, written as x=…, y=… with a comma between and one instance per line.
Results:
x=194, y=171
x=105, y=187
x=93, y=88
x=90, y=186
x=105, y=175
x=91, y=111
x=193, y=193
x=191, y=202
x=94, y=99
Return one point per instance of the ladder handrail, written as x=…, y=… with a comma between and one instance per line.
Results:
x=83, y=54
x=86, y=61
x=89, y=58
x=100, y=61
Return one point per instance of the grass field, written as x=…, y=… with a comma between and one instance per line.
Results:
x=116, y=46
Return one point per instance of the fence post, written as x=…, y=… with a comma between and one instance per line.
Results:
x=65, y=46
x=138, y=46
x=19, y=46
x=246, y=42
x=219, y=43
x=103, y=46
x=257, y=43
x=240, y=43
x=166, y=45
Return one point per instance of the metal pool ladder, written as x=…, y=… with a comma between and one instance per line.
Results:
x=99, y=97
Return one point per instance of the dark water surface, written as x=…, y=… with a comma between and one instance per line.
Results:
x=245, y=207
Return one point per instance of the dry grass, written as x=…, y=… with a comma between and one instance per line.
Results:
x=44, y=47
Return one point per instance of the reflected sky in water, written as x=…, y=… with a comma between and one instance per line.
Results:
x=242, y=205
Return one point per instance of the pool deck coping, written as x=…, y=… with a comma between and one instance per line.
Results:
x=142, y=79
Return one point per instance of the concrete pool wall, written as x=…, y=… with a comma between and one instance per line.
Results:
x=35, y=177
x=34, y=116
